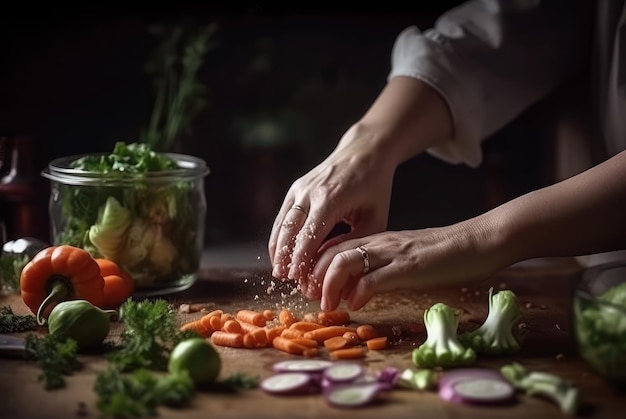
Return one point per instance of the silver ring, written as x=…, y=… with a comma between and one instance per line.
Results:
x=299, y=208
x=366, y=259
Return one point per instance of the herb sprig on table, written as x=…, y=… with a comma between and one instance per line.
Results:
x=55, y=358
x=141, y=392
x=135, y=382
x=15, y=323
x=150, y=333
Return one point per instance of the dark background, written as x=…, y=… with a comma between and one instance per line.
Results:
x=73, y=80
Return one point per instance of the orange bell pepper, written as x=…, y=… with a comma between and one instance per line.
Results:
x=118, y=284
x=60, y=273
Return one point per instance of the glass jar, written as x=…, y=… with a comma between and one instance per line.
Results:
x=151, y=224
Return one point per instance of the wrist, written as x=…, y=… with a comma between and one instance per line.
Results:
x=408, y=117
x=491, y=240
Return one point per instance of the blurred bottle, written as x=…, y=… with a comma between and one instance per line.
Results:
x=18, y=189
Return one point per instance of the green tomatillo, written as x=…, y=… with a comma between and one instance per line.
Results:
x=198, y=357
x=80, y=320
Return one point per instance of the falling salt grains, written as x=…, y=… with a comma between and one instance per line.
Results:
x=271, y=288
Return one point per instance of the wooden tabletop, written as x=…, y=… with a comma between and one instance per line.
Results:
x=543, y=289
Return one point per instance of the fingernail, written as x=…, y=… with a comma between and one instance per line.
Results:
x=277, y=271
x=324, y=304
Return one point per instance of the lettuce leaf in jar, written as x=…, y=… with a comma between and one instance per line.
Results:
x=143, y=210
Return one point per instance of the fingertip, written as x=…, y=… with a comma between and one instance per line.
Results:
x=278, y=271
x=358, y=298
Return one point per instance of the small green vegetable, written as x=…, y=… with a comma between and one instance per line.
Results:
x=81, y=321
x=420, y=379
x=198, y=357
x=545, y=385
x=496, y=335
x=442, y=347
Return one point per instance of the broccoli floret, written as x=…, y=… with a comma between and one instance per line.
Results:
x=496, y=335
x=442, y=347
x=545, y=385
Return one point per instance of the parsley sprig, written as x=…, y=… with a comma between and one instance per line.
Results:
x=15, y=323
x=55, y=358
x=150, y=333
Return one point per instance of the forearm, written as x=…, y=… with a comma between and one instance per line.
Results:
x=581, y=215
x=407, y=117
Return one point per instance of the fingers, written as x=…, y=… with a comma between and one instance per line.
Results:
x=288, y=224
x=344, y=270
x=307, y=242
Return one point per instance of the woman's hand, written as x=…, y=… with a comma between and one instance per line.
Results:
x=580, y=215
x=417, y=259
x=352, y=185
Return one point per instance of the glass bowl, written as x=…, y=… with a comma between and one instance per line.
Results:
x=599, y=320
x=151, y=224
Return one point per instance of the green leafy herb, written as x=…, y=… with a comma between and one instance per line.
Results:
x=141, y=392
x=126, y=159
x=55, y=358
x=150, y=332
x=15, y=323
x=11, y=266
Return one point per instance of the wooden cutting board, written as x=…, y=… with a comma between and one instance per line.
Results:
x=543, y=289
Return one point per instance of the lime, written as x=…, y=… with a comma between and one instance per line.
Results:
x=198, y=357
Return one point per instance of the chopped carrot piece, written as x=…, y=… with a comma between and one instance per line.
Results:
x=233, y=340
x=226, y=317
x=327, y=332
x=249, y=327
x=333, y=318
x=215, y=322
x=352, y=338
x=272, y=332
x=249, y=341
x=206, y=319
x=292, y=333
x=252, y=317
x=286, y=317
x=366, y=332
x=232, y=326
x=198, y=327
x=377, y=344
x=305, y=326
x=288, y=345
x=213, y=313
x=260, y=335
x=353, y=352
x=336, y=342
x=310, y=352
x=268, y=314
x=309, y=343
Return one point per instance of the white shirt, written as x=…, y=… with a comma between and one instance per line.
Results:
x=491, y=59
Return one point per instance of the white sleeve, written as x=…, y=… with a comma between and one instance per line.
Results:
x=490, y=60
